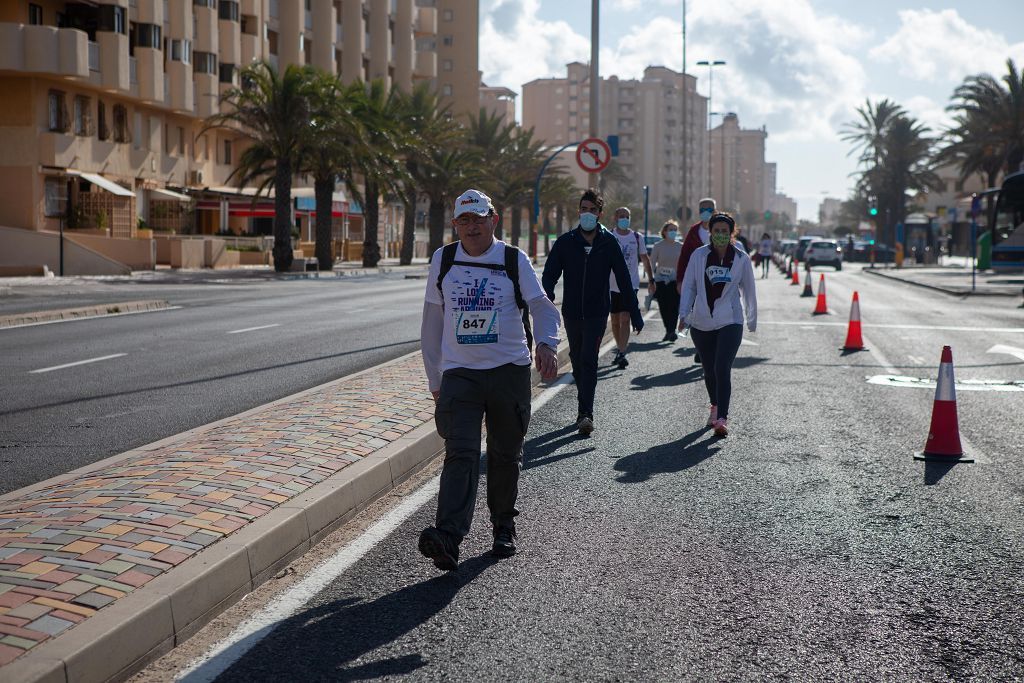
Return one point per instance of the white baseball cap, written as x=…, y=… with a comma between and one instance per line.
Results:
x=473, y=201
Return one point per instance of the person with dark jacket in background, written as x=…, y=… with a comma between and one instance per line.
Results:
x=697, y=236
x=587, y=256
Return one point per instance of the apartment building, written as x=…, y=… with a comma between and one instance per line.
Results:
x=499, y=101
x=645, y=113
x=738, y=172
x=102, y=118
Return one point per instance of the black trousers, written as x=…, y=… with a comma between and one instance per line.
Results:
x=718, y=350
x=502, y=395
x=668, y=303
x=584, y=338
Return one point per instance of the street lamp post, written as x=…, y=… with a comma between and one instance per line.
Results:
x=721, y=190
x=710, y=64
x=685, y=121
x=595, y=74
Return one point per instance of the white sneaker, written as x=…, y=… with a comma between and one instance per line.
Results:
x=713, y=416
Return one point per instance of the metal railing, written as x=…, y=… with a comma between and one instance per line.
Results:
x=133, y=71
x=94, y=56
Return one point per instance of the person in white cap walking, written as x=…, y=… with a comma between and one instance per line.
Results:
x=476, y=340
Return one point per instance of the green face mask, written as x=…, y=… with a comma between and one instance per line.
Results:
x=719, y=239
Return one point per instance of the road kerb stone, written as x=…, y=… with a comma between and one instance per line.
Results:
x=80, y=312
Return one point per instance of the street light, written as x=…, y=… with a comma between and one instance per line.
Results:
x=721, y=190
x=685, y=122
x=710, y=64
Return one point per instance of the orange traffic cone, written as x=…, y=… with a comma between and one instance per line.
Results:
x=796, y=273
x=943, y=443
x=821, y=308
x=854, y=341
x=808, y=290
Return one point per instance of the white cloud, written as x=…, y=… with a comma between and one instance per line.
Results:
x=929, y=112
x=940, y=46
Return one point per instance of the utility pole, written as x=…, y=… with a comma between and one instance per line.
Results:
x=595, y=75
x=686, y=133
x=710, y=64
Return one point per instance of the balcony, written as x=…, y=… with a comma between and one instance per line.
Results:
x=43, y=49
x=426, y=65
x=426, y=22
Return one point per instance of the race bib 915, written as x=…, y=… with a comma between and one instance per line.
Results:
x=718, y=275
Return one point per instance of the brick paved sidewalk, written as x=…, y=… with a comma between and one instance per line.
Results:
x=71, y=547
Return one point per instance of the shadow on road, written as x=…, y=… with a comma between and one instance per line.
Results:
x=935, y=471
x=543, y=449
x=318, y=644
x=684, y=375
x=677, y=456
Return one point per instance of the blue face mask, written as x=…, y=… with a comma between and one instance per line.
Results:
x=623, y=224
x=588, y=221
x=672, y=234
x=705, y=214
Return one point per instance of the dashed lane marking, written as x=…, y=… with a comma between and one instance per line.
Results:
x=253, y=329
x=79, y=362
x=942, y=328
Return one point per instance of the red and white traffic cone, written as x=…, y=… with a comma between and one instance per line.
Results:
x=796, y=273
x=854, y=340
x=943, y=443
x=821, y=308
x=808, y=289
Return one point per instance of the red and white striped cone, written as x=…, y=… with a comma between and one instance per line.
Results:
x=943, y=443
x=854, y=340
x=821, y=308
x=796, y=273
x=808, y=289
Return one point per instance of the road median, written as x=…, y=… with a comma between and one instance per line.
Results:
x=91, y=311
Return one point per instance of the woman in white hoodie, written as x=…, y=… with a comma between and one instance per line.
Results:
x=716, y=276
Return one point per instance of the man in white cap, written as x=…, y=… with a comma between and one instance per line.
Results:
x=476, y=340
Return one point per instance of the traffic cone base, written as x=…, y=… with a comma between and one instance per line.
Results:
x=943, y=442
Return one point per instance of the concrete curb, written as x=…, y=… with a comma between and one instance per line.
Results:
x=93, y=311
x=137, y=629
x=936, y=288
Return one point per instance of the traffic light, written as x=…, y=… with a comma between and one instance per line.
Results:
x=873, y=211
x=767, y=215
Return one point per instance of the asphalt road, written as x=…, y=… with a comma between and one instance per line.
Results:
x=165, y=372
x=807, y=545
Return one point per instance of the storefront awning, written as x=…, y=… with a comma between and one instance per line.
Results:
x=108, y=185
x=171, y=194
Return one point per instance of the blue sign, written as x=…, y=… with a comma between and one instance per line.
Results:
x=305, y=203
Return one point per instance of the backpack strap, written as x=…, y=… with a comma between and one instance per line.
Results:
x=447, y=261
x=512, y=270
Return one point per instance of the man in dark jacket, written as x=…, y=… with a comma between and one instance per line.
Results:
x=587, y=256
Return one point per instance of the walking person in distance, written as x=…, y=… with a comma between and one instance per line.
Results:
x=664, y=256
x=719, y=284
x=634, y=252
x=476, y=353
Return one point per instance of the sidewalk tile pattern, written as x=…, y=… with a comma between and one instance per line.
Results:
x=74, y=547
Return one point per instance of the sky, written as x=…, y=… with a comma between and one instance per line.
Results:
x=800, y=68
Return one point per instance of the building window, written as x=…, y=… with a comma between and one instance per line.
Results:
x=228, y=10
x=147, y=35
x=57, y=112
x=55, y=196
x=121, y=124
x=82, y=116
x=447, y=65
x=111, y=18
x=181, y=51
x=35, y=14
x=227, y=152
x=446, y=90
x=181, y=141
x=447, y=41
x=448, y=15
x=206, y=63
x=212, y=4
x=227, y=73
x=250, y=25
x=103, y=131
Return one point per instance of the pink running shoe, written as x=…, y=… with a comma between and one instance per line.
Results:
x=720, y=427
x=713, y=416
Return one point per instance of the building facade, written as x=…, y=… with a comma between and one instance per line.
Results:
x=645, y=113
x=102, y=119
x=738, y=173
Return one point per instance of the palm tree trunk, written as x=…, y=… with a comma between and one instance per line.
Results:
x=435, y=221
x=517, y=225
x=559, y=219
x=324, y=191
x=408, y=227
x=501, y=222
x=283, y=216
x=371, y=216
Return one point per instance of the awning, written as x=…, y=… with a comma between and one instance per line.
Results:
x=171, y=194
x=107, y=185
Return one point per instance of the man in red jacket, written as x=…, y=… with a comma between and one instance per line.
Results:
x=696, y=237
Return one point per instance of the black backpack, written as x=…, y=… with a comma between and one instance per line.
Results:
x=511, y=268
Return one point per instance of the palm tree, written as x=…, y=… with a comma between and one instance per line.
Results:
x=272, y=111
x=335, y=141
x=490, y=137
x=427, y=129
x=445, y=170
x=379, y=110
x=868, y=133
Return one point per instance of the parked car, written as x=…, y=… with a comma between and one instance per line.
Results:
x=824, y=252
x=883, y=253
x=786, y=247
x=801, y=246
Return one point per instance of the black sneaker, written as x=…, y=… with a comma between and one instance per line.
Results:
x=696, y=358
x=623, y=363
x=617, y=358
x=673, y=336
x=585, y=425
x=436, y=545
x=504, y=542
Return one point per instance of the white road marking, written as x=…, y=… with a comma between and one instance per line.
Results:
x=916, y=360
x=90, y=317
x=877, y=354
x=80, y=362
x=748, y=342
x=962, y=385
x=253, y=329
x=1011, y=350
x=945, y=328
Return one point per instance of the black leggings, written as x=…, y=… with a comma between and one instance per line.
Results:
x=668, y=304
x=717, y=350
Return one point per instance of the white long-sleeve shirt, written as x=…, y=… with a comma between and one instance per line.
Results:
x=694, y=309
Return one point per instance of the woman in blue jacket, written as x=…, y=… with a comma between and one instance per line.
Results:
x=717, y=277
